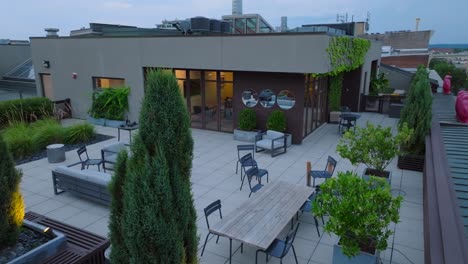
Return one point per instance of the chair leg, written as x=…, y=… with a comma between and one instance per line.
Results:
x=242, y=182
x=323, y=222
x=316, y=226
x=217, y=240
x=267, y=177
x=242, y=248
x=256, y=257
x=204, y=245
x=237, y=166
x=99, y=168
x=313, y=181
x=294, y=251
x=250, y=194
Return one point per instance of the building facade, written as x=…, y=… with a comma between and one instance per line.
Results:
x=218, y=75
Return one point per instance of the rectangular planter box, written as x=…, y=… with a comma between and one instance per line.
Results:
x=362, y=258
x=366, y=175
x=114, y=123
x=43, y=251
x=97, y=121
x=411, y=162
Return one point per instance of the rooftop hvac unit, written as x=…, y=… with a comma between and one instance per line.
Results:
x=225, y=27
x=215, y=25
x=200, y=24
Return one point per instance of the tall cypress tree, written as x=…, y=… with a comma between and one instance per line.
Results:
x=164, y=121
x=11, y=200
x=119, y=253
x=417, y=112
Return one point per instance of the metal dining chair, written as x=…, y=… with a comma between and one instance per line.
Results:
x=327, y=172
x=280, y=248
x=86, y=161
x=250, y=148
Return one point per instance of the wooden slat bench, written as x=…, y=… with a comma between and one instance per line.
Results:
x=82, y=246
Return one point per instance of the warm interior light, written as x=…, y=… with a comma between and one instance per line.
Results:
x=46, y=229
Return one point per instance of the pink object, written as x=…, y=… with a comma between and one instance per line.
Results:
x=461, y=106
x=447, y=84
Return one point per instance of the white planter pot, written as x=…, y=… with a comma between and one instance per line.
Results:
x=242, y=135
x=97, y=121
x=362, y=258
x=114, y=123
x=288, y=140
x=335, y=117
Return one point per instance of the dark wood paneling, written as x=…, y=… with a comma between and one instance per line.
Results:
x=351, y=89
x=275, y=82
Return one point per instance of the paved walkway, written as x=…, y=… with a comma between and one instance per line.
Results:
x=214, y=177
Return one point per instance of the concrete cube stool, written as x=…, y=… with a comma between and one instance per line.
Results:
x=56, y=153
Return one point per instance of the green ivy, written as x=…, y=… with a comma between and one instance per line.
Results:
x=346, y=53
x=334, y=99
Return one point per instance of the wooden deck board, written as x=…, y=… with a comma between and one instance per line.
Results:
x=260, y=219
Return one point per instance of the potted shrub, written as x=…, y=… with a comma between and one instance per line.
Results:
x=109, y=106
x=246, y=127
x=374, y=146
x=277, y=122
x=417, y=113
x=359, y=213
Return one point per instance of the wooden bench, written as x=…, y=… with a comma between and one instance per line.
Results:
x=82, y=246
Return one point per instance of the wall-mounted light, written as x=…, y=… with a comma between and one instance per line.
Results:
x=74, y=75
x=46, y=64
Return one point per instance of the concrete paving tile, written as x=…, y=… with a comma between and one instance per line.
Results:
x=83, y=219
x=46, y=206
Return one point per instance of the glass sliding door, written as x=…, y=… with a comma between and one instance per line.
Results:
x=226, y=94
x=211, y=99
x=195, y=101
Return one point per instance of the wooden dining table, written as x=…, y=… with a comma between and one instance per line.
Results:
x=259, y=220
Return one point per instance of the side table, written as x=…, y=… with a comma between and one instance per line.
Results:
x=56, y=153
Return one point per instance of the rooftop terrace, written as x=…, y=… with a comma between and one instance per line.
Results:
x=214, y=177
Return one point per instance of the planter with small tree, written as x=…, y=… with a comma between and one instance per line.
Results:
x=373, y=146
x=360, y=213
x=246, y=126
x=417, y=113
x=277, y=122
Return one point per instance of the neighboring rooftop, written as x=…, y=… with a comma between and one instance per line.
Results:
x=404, y=39
x=13, y=42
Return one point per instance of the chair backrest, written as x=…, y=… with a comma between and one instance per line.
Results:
x=249, y=147
x=331, y=165
x=345, y=109
x=289, y=240
x=213, y=207
x=82, y=150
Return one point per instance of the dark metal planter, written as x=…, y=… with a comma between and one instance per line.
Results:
x=411, y=162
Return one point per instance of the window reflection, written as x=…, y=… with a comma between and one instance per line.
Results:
x=286, y=99
x=250, y=98
x=267, y=98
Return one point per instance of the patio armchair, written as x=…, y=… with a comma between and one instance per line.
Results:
x=326, y=173
x=253, y=170
x=271, y=140
x=86, y=161
x=280, y=248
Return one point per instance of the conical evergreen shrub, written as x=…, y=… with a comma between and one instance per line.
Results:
x=164, y=122
x=158, y=217
x=119, y=252
x=11, y=200
x=417, y=112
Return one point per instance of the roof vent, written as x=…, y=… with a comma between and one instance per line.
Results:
x=51, y=32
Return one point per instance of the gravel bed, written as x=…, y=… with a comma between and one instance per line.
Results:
x=27, y=240
x=43, y=153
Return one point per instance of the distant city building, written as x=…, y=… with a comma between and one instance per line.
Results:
x=236, y=7
x=248, y=24
x=404, y=49
x=169, y=24
x=347, y=28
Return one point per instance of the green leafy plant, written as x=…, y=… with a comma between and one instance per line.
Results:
x=27, y=110
x=110, y=103
x=161, y=227
x=417, y=112
x=19, y=140
x=276, y=121
x=359, y=211
x=346, y=53
x=247, y=119
x=79, y=133
x=374, y=146
x=47, y=132
x=11, y=200
x=334, y=96
x=380, y=84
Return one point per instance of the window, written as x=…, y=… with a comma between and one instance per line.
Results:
x=103, y=83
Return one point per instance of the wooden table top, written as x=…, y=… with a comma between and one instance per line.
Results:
x=259, y=220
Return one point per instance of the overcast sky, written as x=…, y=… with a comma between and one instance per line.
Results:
x=24, y=18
